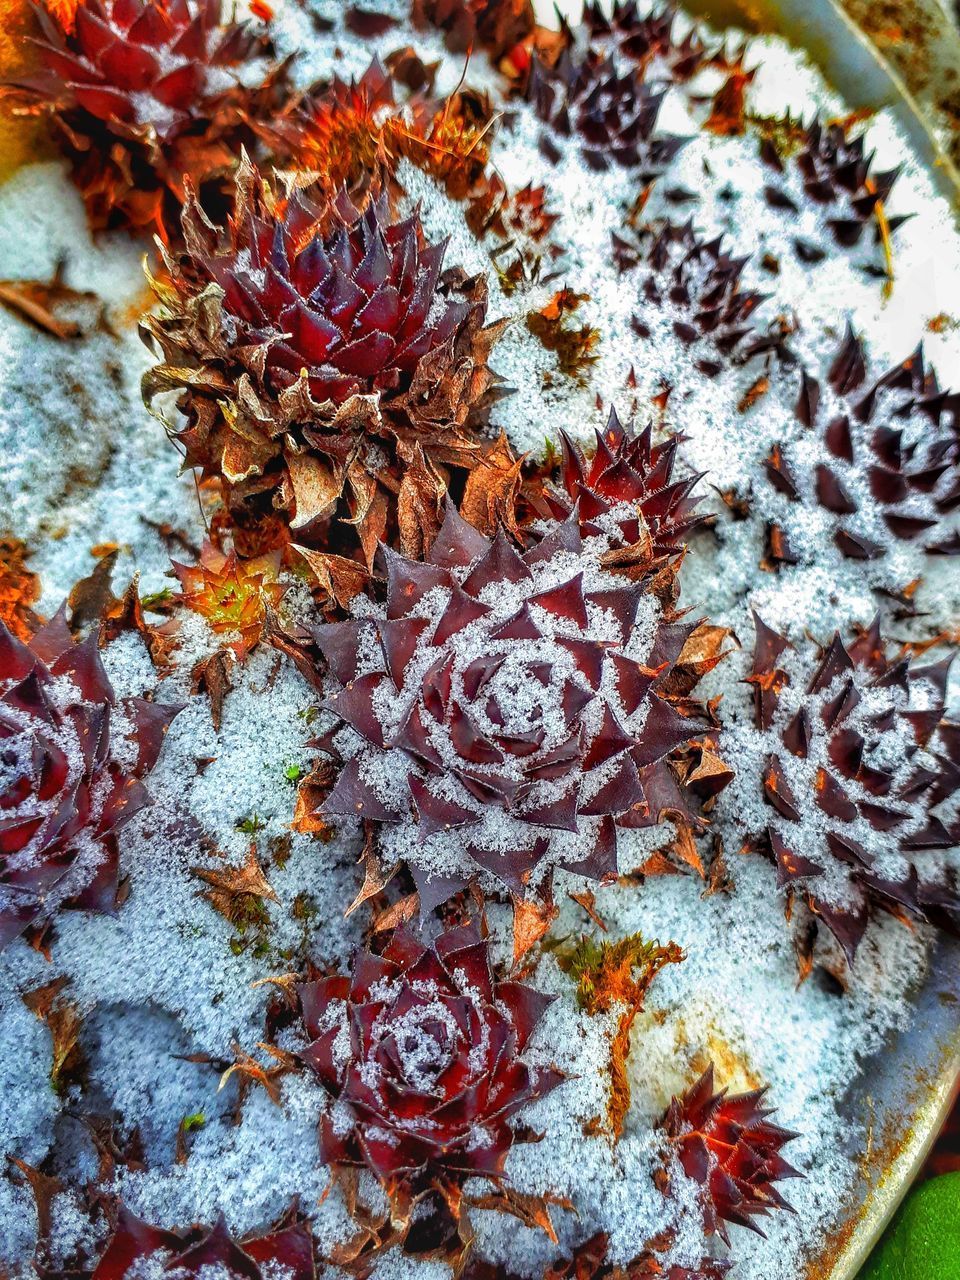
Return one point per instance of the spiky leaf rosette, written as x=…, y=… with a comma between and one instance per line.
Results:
x=64, y=793
x=505, y=713
x=421, y=1049
x=607, y=107
x=143, y=92
x=494, y=25
x=880, y=458
x=338, y=130
x=649, y=38
x=233, y=595
x=320, y=353
x=287, y=1247
x=625, y=491
x=726, y=1144
x=853, y=759
x=830, y=172
x=690, y=288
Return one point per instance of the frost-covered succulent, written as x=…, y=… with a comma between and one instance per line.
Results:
x=421, y=1050
x=625, y=491
x=727, y=1145
x=647, y=36
x=286, y=1248
x=319, y=353
x=144, y=92
x=692, y=287
x=853, y=759
x=880, y=459
x=71, y=760
x=830, y=171
x=506, y=713
x=608, y=108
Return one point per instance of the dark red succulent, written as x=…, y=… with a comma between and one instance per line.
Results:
x=506, y=713
x=727, y=1145
x=625, y=491
x=887, y=462
x=285, y=1248
x=855, y=758
x=421, y=1050
x=646, y=37
x=608, y=107
x=64, y=792
x=144, y=92
x=829, y=169
x=320, y=353
x=690, y=288
x=494, y=25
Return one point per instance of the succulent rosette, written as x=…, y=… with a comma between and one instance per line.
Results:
x=286, y=1248
x=830, y=170
x=625, y=491
x=853, y=760
x=726, y=1143
x=343, y=131
x=144, y=92
x=233, y=595
x=72, y=757
x=506, y=713
x=878, y=460
x=606, y=106
x=690, y=288
x=422, y=1052
x=320, y=354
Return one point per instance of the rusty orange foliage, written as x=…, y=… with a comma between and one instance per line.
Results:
x=728, y=112
x=614, y=976
x=19, y=590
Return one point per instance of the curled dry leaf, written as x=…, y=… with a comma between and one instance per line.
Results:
x=236, y=892
x=63, y=1020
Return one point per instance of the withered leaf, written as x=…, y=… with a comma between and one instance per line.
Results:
x=313, y=790
x=92, y=596
x=490, y=496
x=44, y=1188
x=756, y=391
x=532, y=1210
x=250, y=1072
x=126, y=614
x=233, y=891
x=63, y=1020
x=338, y=577
x=211, y=675
x=531, y=920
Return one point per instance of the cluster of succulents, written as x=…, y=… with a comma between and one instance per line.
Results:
x=507, y=676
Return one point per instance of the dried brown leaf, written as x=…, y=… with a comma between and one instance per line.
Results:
x=233, y=891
